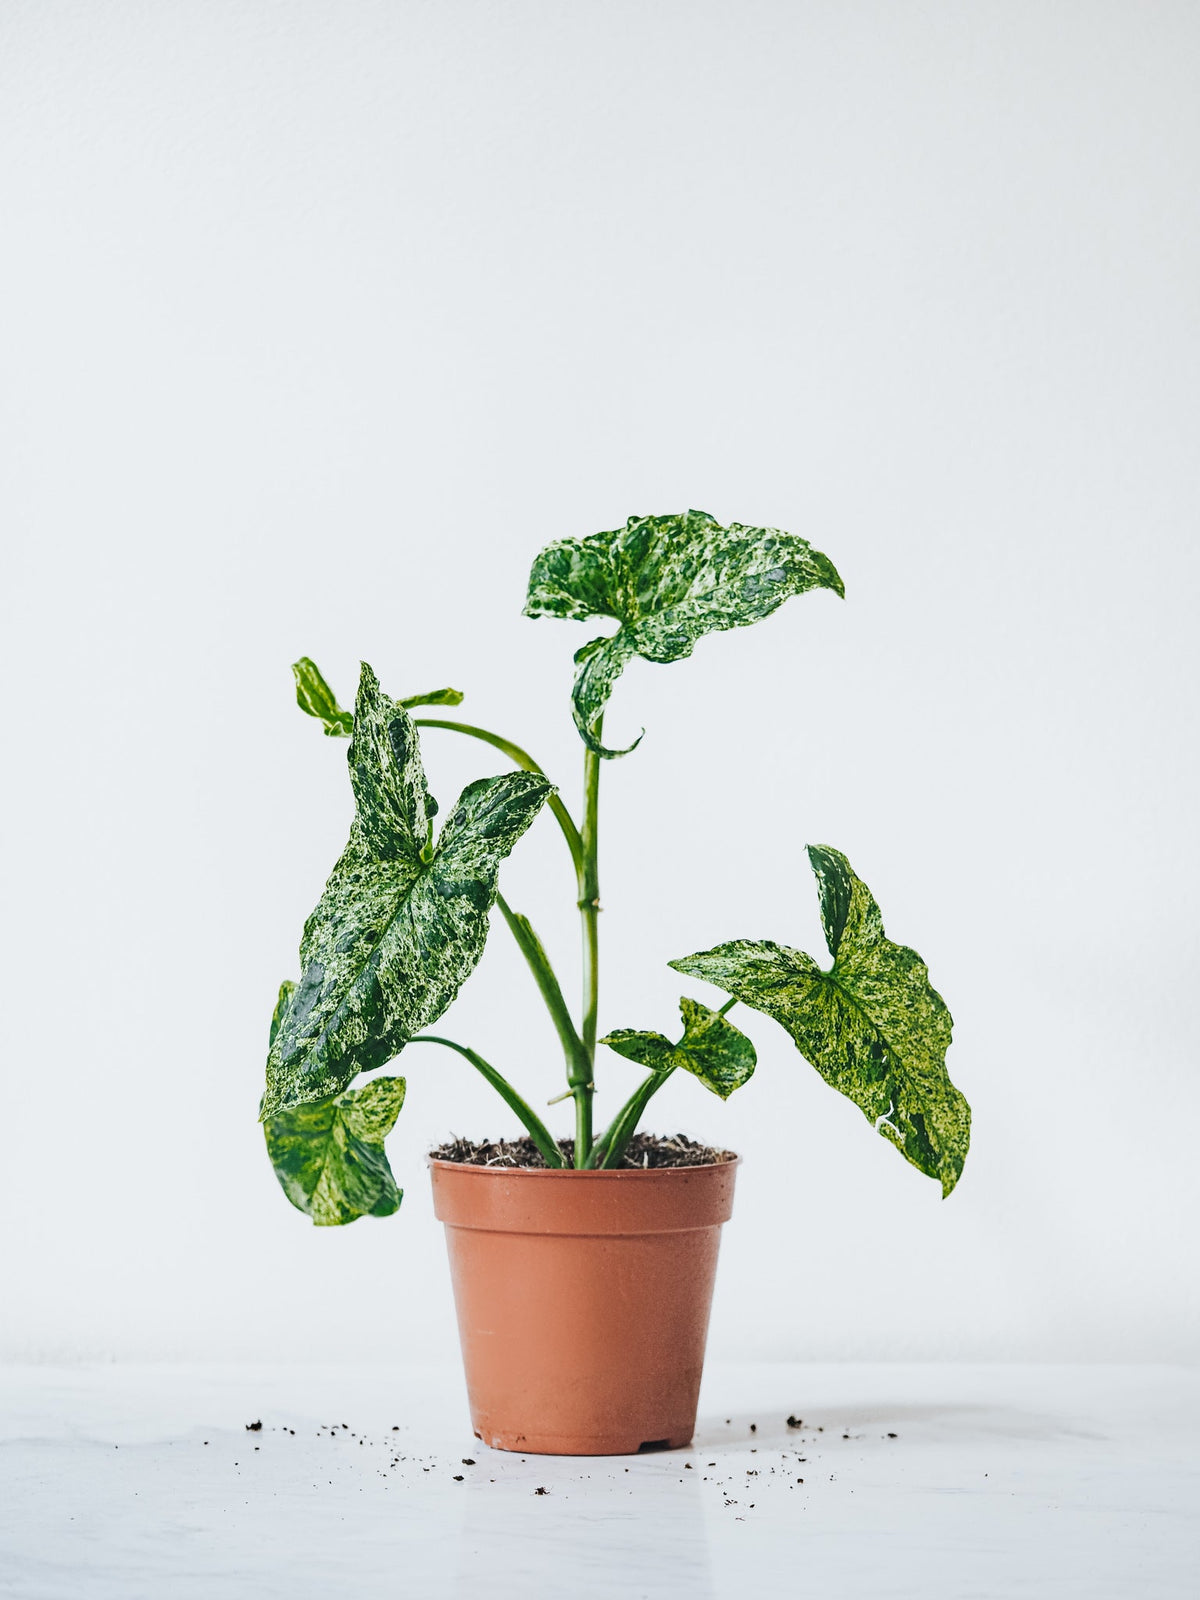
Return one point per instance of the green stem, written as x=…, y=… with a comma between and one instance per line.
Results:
x=538, y=1132
x=589, y=910
x=578, y=1066
x=523, y=759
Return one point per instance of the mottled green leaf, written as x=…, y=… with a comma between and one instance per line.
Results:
x=719, y=1054
x=315, y=696
x=872, y=1026
x=668, y=581
x=329, y=1156
x=400, y=925
x=651, y=1050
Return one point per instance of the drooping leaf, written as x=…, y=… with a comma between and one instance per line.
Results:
x=329, y=1156
x=873, y=1026
x=668, y=581
x=598, y=665
x=399, y=927
x=315, y=696
x=719, y=1054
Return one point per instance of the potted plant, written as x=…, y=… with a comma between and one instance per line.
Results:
x=583, y=1267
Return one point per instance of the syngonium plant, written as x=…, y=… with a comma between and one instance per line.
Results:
x=405, y=913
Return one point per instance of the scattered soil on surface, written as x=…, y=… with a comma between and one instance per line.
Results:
x=645, y=1150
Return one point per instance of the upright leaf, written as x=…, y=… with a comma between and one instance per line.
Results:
x=716, y=1052
x=872, y=1026
x=391, y=798
x=668, y=581
x=314, y=696
x=329, y=1156
x=400, y=925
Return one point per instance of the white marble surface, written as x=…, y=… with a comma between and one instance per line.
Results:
x=143, y=1483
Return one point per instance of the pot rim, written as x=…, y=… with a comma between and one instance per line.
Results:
x=580, y=1172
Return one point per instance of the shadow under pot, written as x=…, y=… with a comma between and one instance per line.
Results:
x=583, y=1300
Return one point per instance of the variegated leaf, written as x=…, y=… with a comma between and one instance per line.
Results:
x=329, y=1156
x=716, y=1052
x=401, y=924
x=873, y=1026
x=668, y=581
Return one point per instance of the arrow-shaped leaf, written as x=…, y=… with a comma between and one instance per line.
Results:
x=668, y=581
x=716, y=1052
x=872, y=1026
x=400, y=925
x=329, y=1156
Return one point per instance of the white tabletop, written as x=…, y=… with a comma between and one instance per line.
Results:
x=144, y=1483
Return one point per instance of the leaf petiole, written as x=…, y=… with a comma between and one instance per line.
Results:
x=537, y=1129
x=578, y=1065
x=523, y=759
x=612, y=1143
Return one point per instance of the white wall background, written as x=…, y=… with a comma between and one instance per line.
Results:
x=319, y=320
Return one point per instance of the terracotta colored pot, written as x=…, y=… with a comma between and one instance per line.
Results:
x=583, y=1301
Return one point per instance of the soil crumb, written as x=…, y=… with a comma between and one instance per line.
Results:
x=645, y=1150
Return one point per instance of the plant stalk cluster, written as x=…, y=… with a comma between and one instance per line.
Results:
x=578, y=1044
